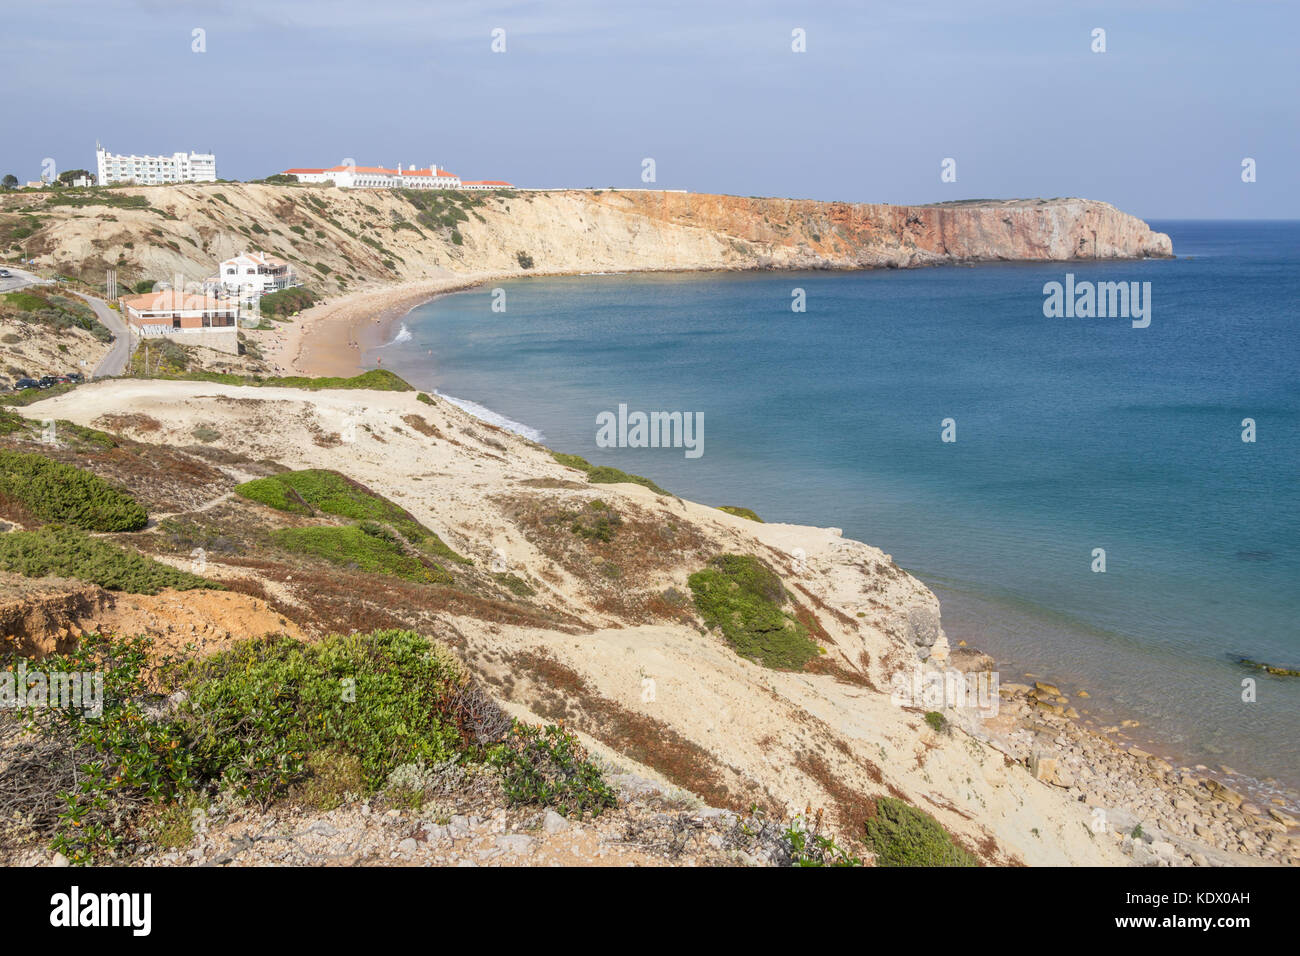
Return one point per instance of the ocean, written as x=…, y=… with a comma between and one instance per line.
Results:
x=1072, y=434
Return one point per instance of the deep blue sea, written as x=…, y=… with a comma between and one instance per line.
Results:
x=1072, y=434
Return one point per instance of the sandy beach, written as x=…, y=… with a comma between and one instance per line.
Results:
x=330, y=338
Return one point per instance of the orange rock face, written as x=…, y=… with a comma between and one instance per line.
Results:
x=793, y=232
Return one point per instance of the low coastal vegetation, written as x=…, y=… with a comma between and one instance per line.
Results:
x=369, y=547
x=314, y=491
x=52, y=311
x=351, y=716
x=287, y=301
x=740, y=512
x=902, y=835
x=69, y=553
x=52, y=491
x=603, y=474
x=744, y=598
x=167, y=360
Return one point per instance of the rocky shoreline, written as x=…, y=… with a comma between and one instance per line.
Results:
x=1158, y=814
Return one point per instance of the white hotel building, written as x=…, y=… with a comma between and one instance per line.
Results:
x=154, y=170
x=377, y=177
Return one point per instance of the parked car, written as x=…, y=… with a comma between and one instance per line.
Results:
x=76, y=377
x=26, y=383
x=6, y=274
x=46, y=381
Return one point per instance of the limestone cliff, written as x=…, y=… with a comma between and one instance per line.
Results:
x=342, y=240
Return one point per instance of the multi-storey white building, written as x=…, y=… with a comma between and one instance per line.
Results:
x=153, y=170
x=377, y=177
x=255, y=273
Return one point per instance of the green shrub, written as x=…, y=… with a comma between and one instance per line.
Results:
x=353, y=546
x=902, y=835
x=516, y=585
x=53, y=491
x=596, y=522
x=603, y=474
x=287, y=301
x=254, y=714
x=740, y=512
x=69, y=553
x=744, y=598
x=319, y=490
x=275, y=717
x=936, y=720
x=256, y=719
x=547, y=766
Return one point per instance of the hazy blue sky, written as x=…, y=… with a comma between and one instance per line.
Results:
x=1158, y=124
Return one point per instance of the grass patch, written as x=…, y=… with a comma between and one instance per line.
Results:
x=363, y=547
x=53, y=491
x=744, y=598
x=902, y=835
x=515, y=585
x=318, y=490
x=170, y=361
x=70, y=553
x=740, y=512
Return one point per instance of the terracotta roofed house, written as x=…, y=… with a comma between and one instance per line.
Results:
x=188, y=318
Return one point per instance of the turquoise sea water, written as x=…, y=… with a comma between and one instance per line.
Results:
x=1072, y=434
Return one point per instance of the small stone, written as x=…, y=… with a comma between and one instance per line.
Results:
x=515, y=843
x=1042, y=767
x=552, y=822
x=407, y=846
x=59, y=860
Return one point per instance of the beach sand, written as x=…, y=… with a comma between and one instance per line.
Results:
x=332, y=337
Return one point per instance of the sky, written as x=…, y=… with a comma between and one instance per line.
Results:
x=713, y=92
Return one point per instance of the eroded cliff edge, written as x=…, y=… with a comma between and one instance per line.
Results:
x=342, y=240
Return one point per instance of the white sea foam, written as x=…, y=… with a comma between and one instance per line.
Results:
x=492, y=418
x=403, y=335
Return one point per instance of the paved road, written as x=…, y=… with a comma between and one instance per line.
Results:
x=114, y=363
x=19, y=279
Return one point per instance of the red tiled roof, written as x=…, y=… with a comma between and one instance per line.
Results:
x=169, y=300
x=291, y=172
x=380, y=170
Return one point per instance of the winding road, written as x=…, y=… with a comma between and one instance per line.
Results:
x=114, y=363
